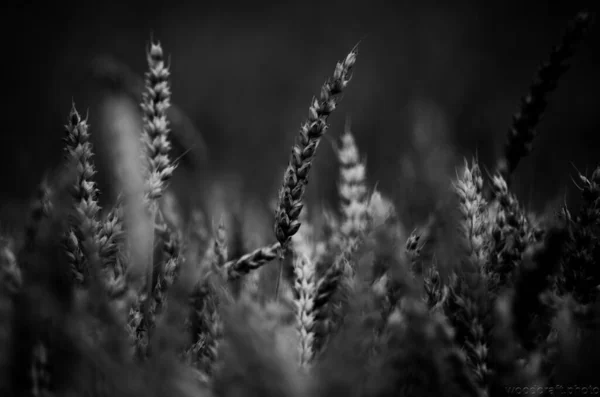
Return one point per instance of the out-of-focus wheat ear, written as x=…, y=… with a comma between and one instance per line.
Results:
x=352, y=187
x=454, y=360
x=111, y=252
x=326, y=286
x=295, y=177
x=198, y=233
x=513, y=368
x=138, y=225
x=532, y=279
x=331, y=229
x=523, y=129
x=213, y=325
x=39, y=210
x=468, y=309
x=156, y=145
x=210, y=295
x=509, y=224
x=473, y=215
x=212, y=338
x=250, y=363
x=10, y=285
x=221, y=252
x=206, y=323
x=413, y=248
x=156, y=100
x=84, y=192
x=563, y=342
x=305, y=292
x=579, y=266
x=167, y=273
x=381, y=210
x=40, y=376
x=75, y=257
x=111, y=237
x=10, y=272
x=122, y=137
x=436, y=292
x=414, y=335
x=590, y=194
x=172, y=246
x=169, y=326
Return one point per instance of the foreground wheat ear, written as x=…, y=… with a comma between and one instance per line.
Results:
x=295, y=178
x=304, y=150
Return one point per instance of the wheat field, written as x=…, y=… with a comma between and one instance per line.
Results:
x=142, y=295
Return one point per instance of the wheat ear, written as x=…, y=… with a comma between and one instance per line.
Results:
x=473, y=211
x=156, y=147
x=468, y=309
x=304, y=150
x=10, y=286
x=523, y=129
x=295, y=177
x=156, y=100
x=579, y=275
x=39, y=210
x=111, y=235
x=84, y=192
x=352, y=188
x=155, y=136
x=304, y=302
x=509, y=233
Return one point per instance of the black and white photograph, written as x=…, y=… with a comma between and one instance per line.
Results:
x=300, y=198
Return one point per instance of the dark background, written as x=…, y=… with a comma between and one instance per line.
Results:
x=245, y=74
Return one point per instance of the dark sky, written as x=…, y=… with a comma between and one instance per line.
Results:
x=245, y=74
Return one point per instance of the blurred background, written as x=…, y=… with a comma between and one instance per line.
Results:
x=434, y=82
